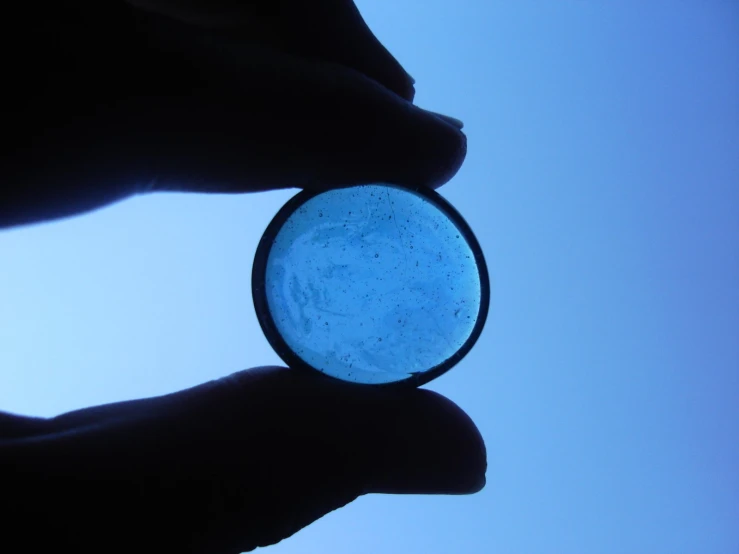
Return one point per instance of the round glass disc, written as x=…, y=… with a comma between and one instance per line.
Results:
x=372, y=284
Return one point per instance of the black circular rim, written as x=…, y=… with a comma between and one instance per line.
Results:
x=281, y=348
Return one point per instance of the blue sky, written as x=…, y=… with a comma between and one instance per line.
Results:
x=602, y=181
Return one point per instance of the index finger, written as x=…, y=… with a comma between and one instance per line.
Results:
x=328, y=30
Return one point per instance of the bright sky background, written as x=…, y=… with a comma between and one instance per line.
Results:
x=603, y=183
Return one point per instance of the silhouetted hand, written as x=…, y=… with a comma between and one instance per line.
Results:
x=105, y=100
x=230, y=465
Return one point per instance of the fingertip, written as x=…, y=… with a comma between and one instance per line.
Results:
x=391, y=440
x=405, y=144
x=437, y=449
x=304, y=444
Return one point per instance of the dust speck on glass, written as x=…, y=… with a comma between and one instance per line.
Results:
x=371, y=284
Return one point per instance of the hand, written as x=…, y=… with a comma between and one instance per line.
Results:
x=107, y=100
x=230, y=465
x=124, y=101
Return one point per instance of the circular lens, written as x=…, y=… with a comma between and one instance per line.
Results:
x=372, y=284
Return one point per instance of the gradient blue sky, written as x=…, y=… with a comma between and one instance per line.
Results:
x=603, y=183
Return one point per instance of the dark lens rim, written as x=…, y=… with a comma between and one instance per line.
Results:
x=287, y=354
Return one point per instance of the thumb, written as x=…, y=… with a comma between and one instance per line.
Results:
x=313, y=444
x=237, y=463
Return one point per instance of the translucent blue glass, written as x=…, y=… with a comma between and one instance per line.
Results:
x=371, y=284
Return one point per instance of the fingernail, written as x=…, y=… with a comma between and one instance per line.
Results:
x=449, y=119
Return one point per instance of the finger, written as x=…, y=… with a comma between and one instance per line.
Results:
x=280, y=405
x=14, y=426
x=328, y=30
x=248, y=460
x=300, y=124
x=322, y=443
x=274, y=122
x=399, y=441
